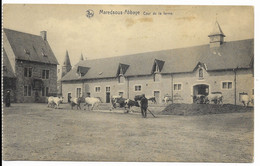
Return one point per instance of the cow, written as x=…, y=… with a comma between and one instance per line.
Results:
x=217, y=98
x=52, y=101
x=117, y=101
x=131, y=103
x=93, y=101
x=245, y=99
x=75, y=102
x=167, y=99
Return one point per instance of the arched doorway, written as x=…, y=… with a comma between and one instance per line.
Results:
x=200, y=89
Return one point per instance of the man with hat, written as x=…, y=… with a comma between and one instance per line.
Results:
x=144, y=105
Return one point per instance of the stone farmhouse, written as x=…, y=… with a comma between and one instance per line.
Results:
x=181, y=73
x=29, y=66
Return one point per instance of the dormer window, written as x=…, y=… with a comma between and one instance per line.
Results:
x=200, y=73
x=81, y=70
x=122, y=68
x=27, y=51
x=44, y=53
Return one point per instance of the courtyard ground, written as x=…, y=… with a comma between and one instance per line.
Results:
x=35, y=132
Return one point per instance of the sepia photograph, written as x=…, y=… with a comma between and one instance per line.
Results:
x=128, y=83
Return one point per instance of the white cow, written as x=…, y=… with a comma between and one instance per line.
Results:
x=245, y=99
x=54, y=101
x=216, y=98
x=167, y=99
x=93, y=101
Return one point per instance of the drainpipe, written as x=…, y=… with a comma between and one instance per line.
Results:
x=235, y=87
x=172, y=86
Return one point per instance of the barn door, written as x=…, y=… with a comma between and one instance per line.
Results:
x=157, y=96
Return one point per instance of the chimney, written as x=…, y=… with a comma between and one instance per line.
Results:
x=44, y=35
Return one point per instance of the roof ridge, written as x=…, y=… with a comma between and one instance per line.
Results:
x=20, y=32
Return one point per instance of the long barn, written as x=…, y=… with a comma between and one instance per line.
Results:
x=219, y=66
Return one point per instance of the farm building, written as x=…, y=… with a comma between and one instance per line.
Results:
x=29, y=66
x=222, y=67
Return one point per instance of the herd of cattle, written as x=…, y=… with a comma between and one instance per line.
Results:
x=120, y=102
x=217, y=98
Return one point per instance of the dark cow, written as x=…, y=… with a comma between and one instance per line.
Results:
x=117, y=101
x=131, y=103
x=75, y=102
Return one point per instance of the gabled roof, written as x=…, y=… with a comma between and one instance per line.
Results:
x=230, y=55
x=8, y=71
x=30, y=47
x=216, y=30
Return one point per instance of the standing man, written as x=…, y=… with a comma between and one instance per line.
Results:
x=144, y=105
x=8, y=99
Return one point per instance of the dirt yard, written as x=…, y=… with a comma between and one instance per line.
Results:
x=35, y=132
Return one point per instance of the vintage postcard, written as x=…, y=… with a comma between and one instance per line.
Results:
x=140, y=83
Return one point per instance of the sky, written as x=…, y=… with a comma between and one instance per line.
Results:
x=104, y=35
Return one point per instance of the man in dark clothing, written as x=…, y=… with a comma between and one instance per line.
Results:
x=144, y=105
x=8, y=99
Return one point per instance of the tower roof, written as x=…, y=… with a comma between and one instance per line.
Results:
x=216, y=30
x=66, y=61
x=81, y=57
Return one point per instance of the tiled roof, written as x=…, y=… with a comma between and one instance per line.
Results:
x=230, y=55
x=8, y=71
x=30, y=47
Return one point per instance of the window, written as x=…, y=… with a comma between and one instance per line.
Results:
x=138, y=88
x=27, y=90
x=121, y=79
x=177, y=87
x=226, y=85
x=78, y=93
x=45, y=74
x=27, y=72
x=97, y=89
x=200, y=73
x=107, y=89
